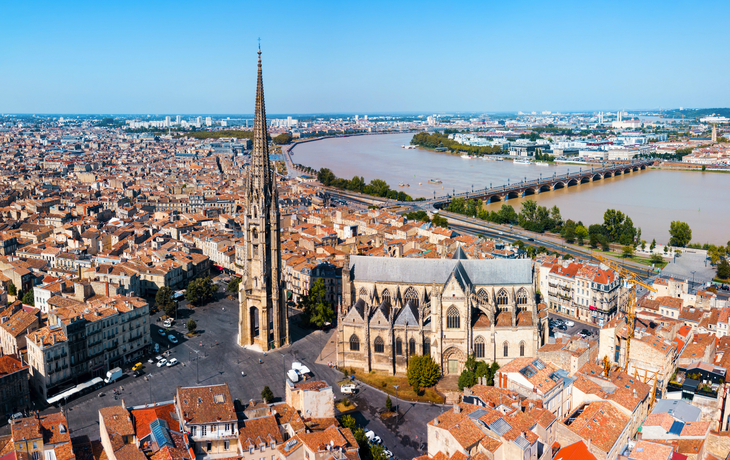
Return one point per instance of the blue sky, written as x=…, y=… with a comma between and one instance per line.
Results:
x=361, y=57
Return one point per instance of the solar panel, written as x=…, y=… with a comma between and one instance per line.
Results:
x=478, y=414
x=161, y=433
x=499, y=426
x=676, y=428
x=527, y=372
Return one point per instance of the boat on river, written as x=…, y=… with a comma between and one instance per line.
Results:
x=521, y=161
x=541, y=163
x=434, y=181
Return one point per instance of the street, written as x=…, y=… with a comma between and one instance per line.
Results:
x=213, y=357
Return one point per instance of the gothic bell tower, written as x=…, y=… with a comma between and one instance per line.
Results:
x=262, y=319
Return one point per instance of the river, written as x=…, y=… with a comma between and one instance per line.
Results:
x=652, y=198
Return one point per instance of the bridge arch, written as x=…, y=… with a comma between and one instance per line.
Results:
x=512, y=194
x=597, y=177
x=529, y=191
x=626, y=171
x=545, y=188
x=585, y=179
x=492, y=199
x=558, y=185
x=572, y=182
x=617, y=172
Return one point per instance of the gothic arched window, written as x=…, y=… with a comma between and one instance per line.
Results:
x=398, y=346
x=412, y=346
x=479, y=347
x=386, y=297
x=453, y=319
x=506, y=349
x=363, y=293
x=411, y=297
x=483, y=298
x=521, y=296
x=354, y=343
x=522, y=348
x=426, y=348
x=379, y=346
x=502, y=298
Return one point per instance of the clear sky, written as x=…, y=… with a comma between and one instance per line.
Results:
x=361, y=56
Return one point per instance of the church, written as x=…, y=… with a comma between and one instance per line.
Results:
x=262, y=320
x=446, y=308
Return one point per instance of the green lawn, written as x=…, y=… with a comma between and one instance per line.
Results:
x=377, y=378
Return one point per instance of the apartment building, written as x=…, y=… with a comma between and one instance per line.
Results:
x=208, y=417
x=48, y=360
x=14, y=394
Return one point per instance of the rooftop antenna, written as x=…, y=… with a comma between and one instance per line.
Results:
x=259, y=43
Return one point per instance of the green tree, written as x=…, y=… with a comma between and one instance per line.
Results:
x=422, y=372
x=191, y=325
x=347, y=421
x=200, y=291
x=388, y=404
x=325, y=176
x=628, y=250
x=653, y=244
x=656, y=259
x=283, y=138
x=233, y=285
x=680, y=234
x=267, y=395
x=12, y=290
x=568, y=232
x=580, y=234
x=377, y=187
x=317, y=309
x=28, y=298
x=723, y=269
x=164, y=301
x=467, y=379
x=613, y=222
x=439, y=221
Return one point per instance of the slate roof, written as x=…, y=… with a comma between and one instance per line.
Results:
x=426, y=271
x=678, y=409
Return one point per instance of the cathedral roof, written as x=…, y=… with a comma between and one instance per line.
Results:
x=426, y=271
x=408, y=315
x=459, y=254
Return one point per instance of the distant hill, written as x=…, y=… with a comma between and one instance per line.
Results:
x=696, y=113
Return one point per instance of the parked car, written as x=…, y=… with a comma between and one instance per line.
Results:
x=388, y=453
x=168, y=322
x=172, y=338
x=569, y=323
x=172, y=362
x=586, y=332
x=15, y=416
x=161, y=362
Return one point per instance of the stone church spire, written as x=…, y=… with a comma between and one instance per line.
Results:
x=263, y=321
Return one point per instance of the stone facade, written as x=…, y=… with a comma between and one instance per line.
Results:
x=444, y=308
x=263, y=321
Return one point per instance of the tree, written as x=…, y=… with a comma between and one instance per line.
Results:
x=317, y=310
x=580, y=234
x=283, y=138
x=568, y=232
x=347, y=421
x=680, y=234
x=613, y=222
x=388, y=404
x=200, y=291
x=164, y=301
x=28, y=298
x=422, y=372
x=267, y=395
x=439, y=221
x=628, y=250
x=191, y=325
x=656, y=259
x=467, y=379
x=233, y=285
x=723, y=269
x=12, y=290
x=653, y=244
x=325, y=176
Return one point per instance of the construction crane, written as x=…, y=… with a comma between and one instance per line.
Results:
x=632, y=279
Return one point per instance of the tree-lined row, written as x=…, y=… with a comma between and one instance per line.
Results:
x=376, y=187
x=436, y=140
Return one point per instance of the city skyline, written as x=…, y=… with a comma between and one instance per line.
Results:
x=407, y=58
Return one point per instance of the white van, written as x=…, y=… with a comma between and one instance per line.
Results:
x=348, y=389
x=292, y=375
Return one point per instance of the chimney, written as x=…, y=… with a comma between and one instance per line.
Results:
x=589, y=444
x=457, y=409
x=106, y=285
x=436, y=421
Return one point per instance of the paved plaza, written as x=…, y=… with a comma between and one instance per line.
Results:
x=221, y=360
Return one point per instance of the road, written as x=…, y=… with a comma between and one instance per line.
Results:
x=213, y=357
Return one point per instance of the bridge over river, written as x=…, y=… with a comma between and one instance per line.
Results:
x=507, y=191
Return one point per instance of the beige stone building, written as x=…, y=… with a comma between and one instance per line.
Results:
x=446, y=308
